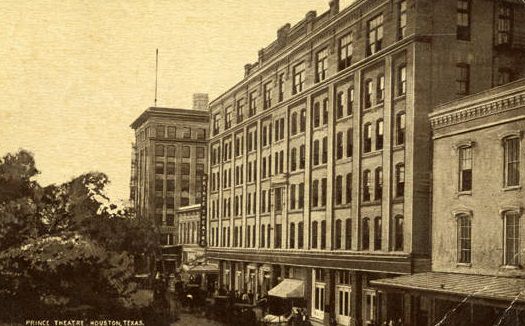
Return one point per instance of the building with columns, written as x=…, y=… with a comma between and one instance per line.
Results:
x=170, y=160
x=321, y=159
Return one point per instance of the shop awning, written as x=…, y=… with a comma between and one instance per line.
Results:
x=478, y=286
x=288, y=288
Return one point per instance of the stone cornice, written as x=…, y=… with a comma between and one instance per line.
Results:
x=491, y=102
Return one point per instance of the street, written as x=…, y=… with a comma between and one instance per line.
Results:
x=190, y=320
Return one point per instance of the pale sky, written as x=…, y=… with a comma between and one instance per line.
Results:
x=74, y=74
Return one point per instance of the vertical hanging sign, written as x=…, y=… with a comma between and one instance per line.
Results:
x=204, y=209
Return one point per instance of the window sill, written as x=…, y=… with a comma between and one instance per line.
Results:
x=344, y=160
x=296, y=172
x=510, y=267
x=512, y=188
x=318, y=209
x=464, y=265
x=319, y=166
x=398, y=200
x=371, y=203
x=297, y=135
x=401, y=97
x=343, y=118
x=399, y=147
x=372, y=153
x=464, y=193
x=343, y=206
x=373, y=107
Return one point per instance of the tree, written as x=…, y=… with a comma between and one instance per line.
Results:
x=65, y=248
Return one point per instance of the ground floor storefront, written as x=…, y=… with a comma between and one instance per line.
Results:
x=329, y=295
x=457, y=299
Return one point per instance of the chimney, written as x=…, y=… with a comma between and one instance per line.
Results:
x=247, y=68
x=282, y=34
x=309, y=19
x=334, y=7
x=200, y=101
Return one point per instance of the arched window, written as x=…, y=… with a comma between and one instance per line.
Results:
x=349, y=142
x=365, y=238
x=292, y=235
x=400, y=180
x=339, y=190
x=300, y=235
x=377, y=233
x=464, y=228
x=269, y=236
x=316, y=152
x=378, y=189
x=294, y=124
x=339, y=145
x=314, y=234
x=399, y=233
x=366, y=185
x=293, y=159
x=302, y=157
x=323, y=234
x=338, y=234
x=263, y=234
x=379, y=134
x=348, y=234
x=367, y=137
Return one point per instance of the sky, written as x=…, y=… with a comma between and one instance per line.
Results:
x=74, y=74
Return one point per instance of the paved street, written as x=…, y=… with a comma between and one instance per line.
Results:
x=190, y=320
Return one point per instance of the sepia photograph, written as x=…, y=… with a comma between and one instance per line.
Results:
x=262, y=162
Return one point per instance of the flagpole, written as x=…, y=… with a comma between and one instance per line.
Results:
x=156, y=73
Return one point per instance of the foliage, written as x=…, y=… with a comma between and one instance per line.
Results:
x=65, y=248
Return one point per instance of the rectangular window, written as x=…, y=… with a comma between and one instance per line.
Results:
x=267, y=95
x=512, y=161
x=368, y=93
x=380, y=89
x=350, y=105
x=348, y=234
x=159, y=150
x=240, y=110
x=462, y=79
x=374, y=35
x=315, y=193
x=228, y=118
x=186, y=133
x=325, y=150
x=292, y=196
x=367, y=138
x=463, y=20
x=400, y=180
x=278, y=235
x=300, y=235
x=402, y=22
x=339, y=190
x=465, y=168
x=512, y=238
x=379, y=134
x=298, y=78
x=317, y=114
x=400, y=129
x=314, y=234
x=200, y=152
x=345, y=51
x=171, y=132
x=339, y=145
x=303, y=121
x=321, y=65
x=253, y=104
x=160, y=131
x=340, y=105
x=464, y=239
x=186, y=151
x=278, y=199
x=349, y=142
x=402, y=81
x=281, y=87
x=325, y=111
x=216, y=123
x=366, y=185
x=504, y=27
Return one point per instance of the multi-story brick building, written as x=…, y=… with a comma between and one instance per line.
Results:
x=320, y=158
x=170, y=159
x=478, y=201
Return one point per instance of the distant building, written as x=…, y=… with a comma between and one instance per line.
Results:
x=320, y=158
x=477, y=214
x=170, y=160
x=188, y=233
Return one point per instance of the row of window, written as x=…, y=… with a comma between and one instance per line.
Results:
x=318, y=193
x=170, y=151
x=511, y=164
x=400, y=132
x=188, y=232
x=318, y=232
x=511, y=239
x=168, y=168
x=374, y=43
x=172, y=132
